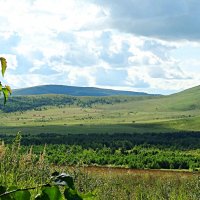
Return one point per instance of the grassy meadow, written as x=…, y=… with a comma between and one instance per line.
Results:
x=178, y=112
x=150, y=132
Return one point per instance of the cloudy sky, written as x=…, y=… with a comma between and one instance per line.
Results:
x=139, y=45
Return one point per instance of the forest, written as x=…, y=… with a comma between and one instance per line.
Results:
x=139, y=151
x=24, y=103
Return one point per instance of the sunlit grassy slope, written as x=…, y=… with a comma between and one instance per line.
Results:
x=177, y=112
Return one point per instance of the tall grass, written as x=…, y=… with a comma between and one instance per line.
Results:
x=140, y=186
x=28, y=169
x=22, y=169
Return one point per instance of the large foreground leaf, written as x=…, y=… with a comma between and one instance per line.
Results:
x=72, y=194
x=50, y=193
x=22, y=195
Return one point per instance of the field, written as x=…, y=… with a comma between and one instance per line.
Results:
x=36, y=114
x=28, y=169
x=166, y=123
x=141, y=184
x=121, y=132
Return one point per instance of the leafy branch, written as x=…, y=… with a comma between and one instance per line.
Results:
x=49, y=191
x=6, y=90
x=7, y=193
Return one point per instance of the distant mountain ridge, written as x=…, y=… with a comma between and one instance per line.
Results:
x=74, y=91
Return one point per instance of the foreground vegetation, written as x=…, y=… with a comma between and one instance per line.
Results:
x=19, y=177
x=139, y=151
x=32, y=169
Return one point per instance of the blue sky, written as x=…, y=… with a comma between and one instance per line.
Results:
x=139, y=45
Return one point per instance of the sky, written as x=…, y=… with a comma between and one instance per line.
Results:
x=137, y=45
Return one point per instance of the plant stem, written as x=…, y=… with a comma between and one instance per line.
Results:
x=23, y=189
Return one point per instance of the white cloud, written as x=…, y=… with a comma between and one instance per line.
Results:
x=80, y=76
x=30, y=79
x=144, y=58
x=86, y=43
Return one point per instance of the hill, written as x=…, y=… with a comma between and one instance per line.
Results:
x=74, y=91
x=111, y=114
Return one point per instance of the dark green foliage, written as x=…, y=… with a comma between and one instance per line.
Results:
x=36, y=102
x=39, y=102
x=2, y=189
x=154, y=151
x=139, y=157
x=177, y=140
x=21, y=195
x=50, y=191
x=71, y=194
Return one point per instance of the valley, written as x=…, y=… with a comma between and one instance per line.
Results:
x=178, y=112
x=123, y=141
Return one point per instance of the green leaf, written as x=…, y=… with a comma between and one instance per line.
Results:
x=53, y=192
x=88, y=196
x=16, y=195
x=22, y=195
x=9, y=89
x=72, y=194
x=42, y=196
x=3, y=65
x=5, y=94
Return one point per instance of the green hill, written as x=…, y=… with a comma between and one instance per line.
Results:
x=109, y=114
x=72, y=90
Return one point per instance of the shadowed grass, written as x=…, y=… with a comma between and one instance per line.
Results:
x=24, y=169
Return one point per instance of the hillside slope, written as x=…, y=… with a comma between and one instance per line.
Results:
x=72, y=90
x=188, y=100
x=113, y=114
